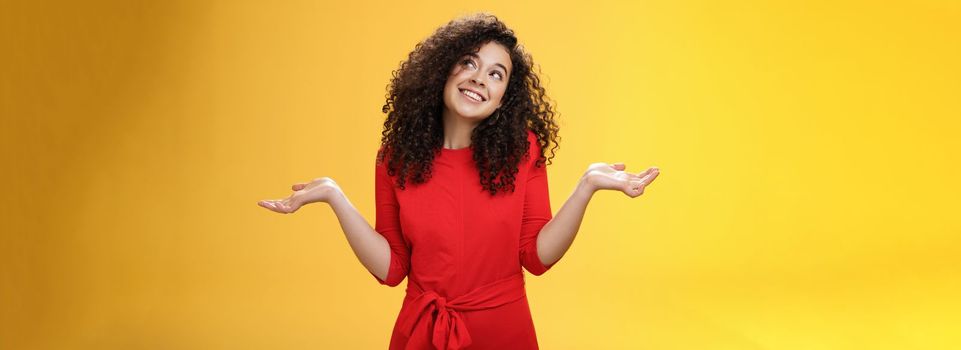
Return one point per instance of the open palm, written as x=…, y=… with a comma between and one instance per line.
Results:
x=319, y=190
x=604, y=176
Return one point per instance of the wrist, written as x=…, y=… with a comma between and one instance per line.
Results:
x=584, y=187
x=335, y=197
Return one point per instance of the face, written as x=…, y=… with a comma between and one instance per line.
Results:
x=477, y=82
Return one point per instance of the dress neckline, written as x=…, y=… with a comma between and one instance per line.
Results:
x=465, y=153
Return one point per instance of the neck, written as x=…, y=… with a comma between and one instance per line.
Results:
x=457, y=130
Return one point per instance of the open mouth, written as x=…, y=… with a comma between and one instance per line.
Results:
x=472, y=95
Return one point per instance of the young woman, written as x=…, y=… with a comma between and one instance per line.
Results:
x=461, y=191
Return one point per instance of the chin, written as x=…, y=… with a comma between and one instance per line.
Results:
x=473, y=116
x=472, y=113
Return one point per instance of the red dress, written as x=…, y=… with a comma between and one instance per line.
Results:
x=462, y=251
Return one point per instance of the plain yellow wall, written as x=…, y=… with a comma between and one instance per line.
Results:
x=808, y=196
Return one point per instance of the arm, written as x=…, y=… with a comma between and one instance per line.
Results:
x=558, y=234
x=383, y=251
x=395, y=267
x=370, y=247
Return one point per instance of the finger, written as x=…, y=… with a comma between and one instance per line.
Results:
x=268, y=205
x=278, y=206
x=652, y=174
x=638, y=177
x=619, y=166
x=298, y=187
x=644, y=173
x=635, y=187
x=265, y=204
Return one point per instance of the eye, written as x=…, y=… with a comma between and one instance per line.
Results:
x=469, y=62
x=498, y=75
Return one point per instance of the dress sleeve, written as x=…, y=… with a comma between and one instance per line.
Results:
x=388, y=225
x=537, y=212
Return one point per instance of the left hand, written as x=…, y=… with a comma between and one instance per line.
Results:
x=604, y=176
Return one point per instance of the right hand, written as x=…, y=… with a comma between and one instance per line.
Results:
x=322, y=189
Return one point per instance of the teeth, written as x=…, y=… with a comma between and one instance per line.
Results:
x=472, y=95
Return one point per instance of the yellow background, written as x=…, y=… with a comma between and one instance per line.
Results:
x=808, y=196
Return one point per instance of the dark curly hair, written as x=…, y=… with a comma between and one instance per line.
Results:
x=414, y=133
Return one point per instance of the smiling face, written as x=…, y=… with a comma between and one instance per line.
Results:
x=477, y=82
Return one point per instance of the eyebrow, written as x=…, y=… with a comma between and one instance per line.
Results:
x=474, y=55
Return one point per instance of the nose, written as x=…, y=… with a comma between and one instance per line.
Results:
x=477, y=80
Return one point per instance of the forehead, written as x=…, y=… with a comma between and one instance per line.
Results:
x=492, y=52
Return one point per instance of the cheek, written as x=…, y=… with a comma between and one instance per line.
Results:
x=452, y=80
x=498, y=96
x=451, y=86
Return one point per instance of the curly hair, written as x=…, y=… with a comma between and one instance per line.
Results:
x=414, y=133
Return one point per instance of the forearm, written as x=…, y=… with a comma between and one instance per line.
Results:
x=557, y=235
x=370, y=247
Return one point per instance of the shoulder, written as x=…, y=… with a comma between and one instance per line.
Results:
x=381, y=155
x=533, y=148
x=381, y=159
x=532, y=140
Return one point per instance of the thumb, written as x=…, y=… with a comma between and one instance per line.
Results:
x=298, y=187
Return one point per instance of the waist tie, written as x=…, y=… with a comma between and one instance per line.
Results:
x=428, y=310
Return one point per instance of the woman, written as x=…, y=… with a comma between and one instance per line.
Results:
x=461, y=191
